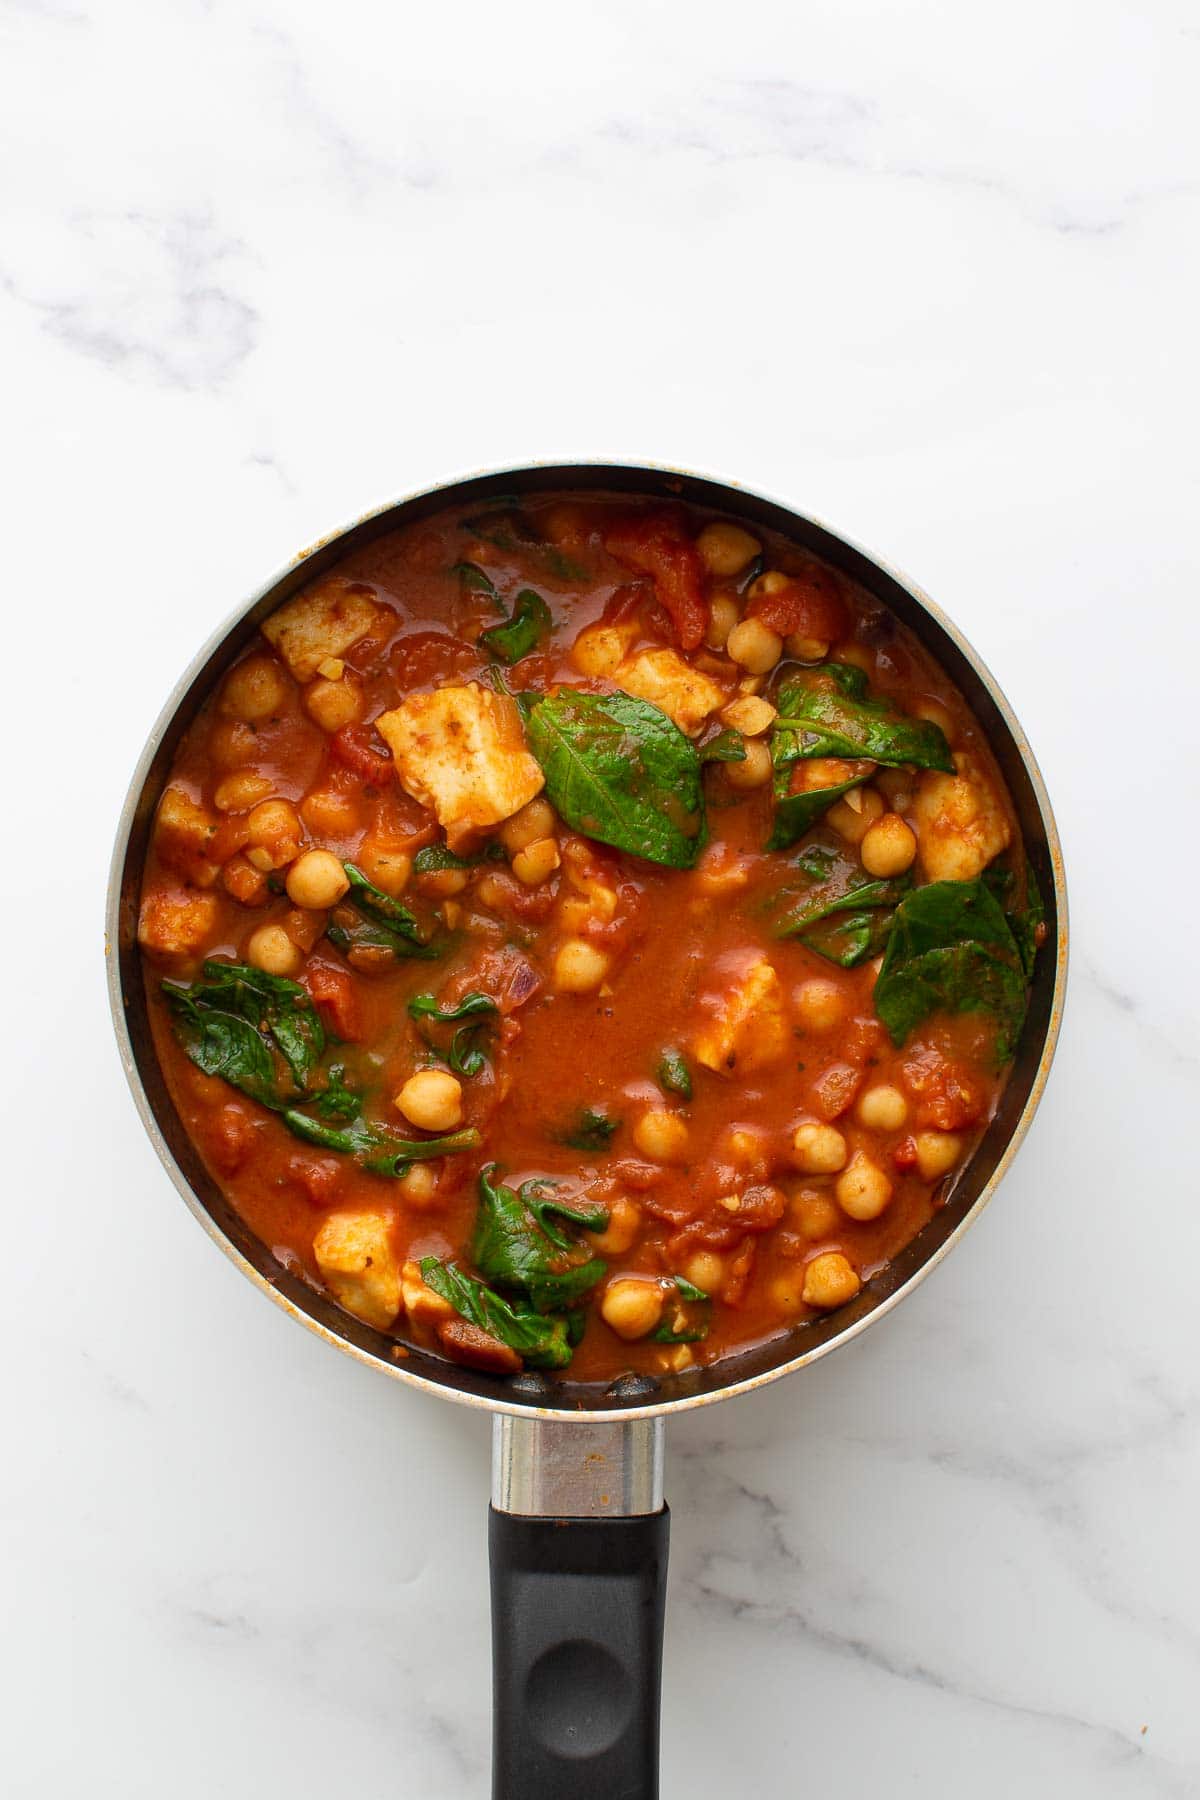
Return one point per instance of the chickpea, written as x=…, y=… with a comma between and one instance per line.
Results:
x=755, y=770
x=774, y=581
x=806, y=649
x=830, y=1280
x=328, y=812
x=854, y=814
x=272, y=950
x=705, y=1270
x=418, y=1185
x=863, y=1190
x=934, y=713
x=240, y=791
x=787, y=1291
x=882, y=1108
x=333, y=703
x=632, y=1306
x=755, y=646
x=254, y=690
x=599, y=649
x=815, y=1214
x=439, y=884
x=388, y=869
x=818, y=1149
x=726, y=549
x=888, y=846
x=662, y=1136
x=432, y=1100
x=275, y=833
x=820, y=1005
x=937, y=1153
x=316, y=880
x=534, y=821
x=723, y=615
x=749, y=715
x=537, y=862
x=624, y=1223
x=579, y=967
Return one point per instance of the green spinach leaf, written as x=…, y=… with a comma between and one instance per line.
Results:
x=951, y=950
x=543, y=1342
x=472, y=1005
x=728, y=746
x=276, y=1012
x=829, y=712
x=519, y=1242
x=380, y=1151
x=477, y=581
x=370, y=919
x=591, y=1130
x=685, y=1327
x=521, y=634
x=797, y=813
x=619, y=770
x=674, y=1076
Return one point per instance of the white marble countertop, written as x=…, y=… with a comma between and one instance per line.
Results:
x=928, y=272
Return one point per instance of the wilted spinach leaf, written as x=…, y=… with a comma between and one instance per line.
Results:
x=951, y=950
x=519, y=1242
x=828, y=711
x=797, y=813
x=523, y=632
x=380, y=1151
x=836, y=909
x=232, y=1018
x=477, y=581
x=591, y=1130
x=542, y=1342
x=278, y=1020
x=728, y=746
x=465, y=1055
x=674, y=1076
x=369, y=919
x=619, y=770
x=685, y=1327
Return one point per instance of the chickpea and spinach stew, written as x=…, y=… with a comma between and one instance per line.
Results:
x=585, y=933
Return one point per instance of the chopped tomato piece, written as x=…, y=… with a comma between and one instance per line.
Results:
x=947, y=1095
x=905, y=1154
x=360, y=748
x=809, y=606
x=658, y=545
x=336, y=999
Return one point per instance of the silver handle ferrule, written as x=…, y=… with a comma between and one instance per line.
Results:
x=551, y=1469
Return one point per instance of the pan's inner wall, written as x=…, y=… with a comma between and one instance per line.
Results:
x=532, y=1390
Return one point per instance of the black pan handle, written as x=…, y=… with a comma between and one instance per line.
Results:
x=578, y=1601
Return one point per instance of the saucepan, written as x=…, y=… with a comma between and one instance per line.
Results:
x=578, y=1525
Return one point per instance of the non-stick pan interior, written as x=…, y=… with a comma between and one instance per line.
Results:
x=633, y=1394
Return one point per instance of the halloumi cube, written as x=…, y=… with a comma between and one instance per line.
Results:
x=462, y=753
x=747, y=1029
x=176, y=923
x=322, y=622
x=354, y=1254
x=183, y=835
x=686, y=695
x=959, y=822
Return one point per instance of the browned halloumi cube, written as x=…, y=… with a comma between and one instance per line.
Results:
x=747, y=1028
x=686, y=695
x=354, y=1254
x=462, y=753
x=175, y=923
x=959, y=821
x=324, y=621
